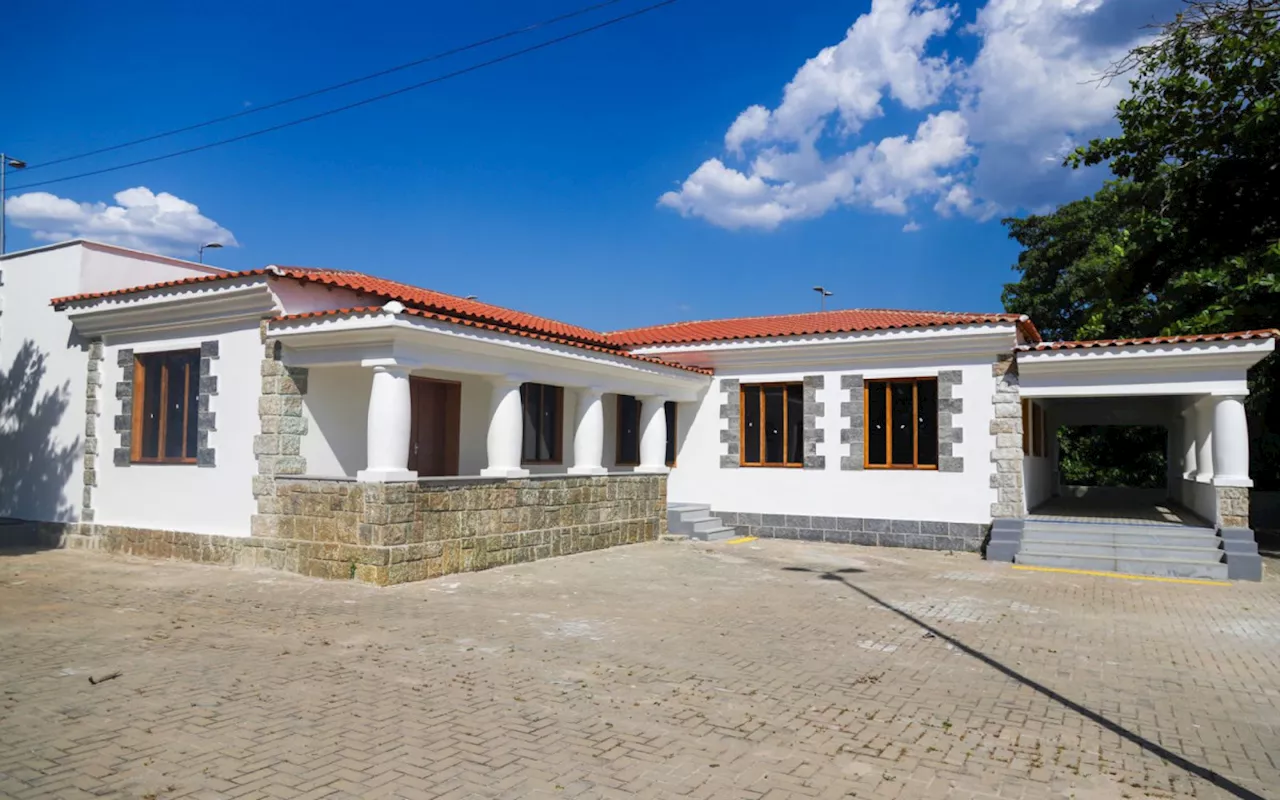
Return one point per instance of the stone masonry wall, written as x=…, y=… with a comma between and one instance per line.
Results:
x=1007, y=428
x=92, y=400
x=385, y=533
x=1233, y=506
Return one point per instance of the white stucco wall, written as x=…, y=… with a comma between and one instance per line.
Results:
x=41, y=468
x=337, y=407
x=185, y=497
x=881, y=494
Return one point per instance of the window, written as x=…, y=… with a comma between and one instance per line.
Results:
x=669, y=408
x=1033, y=437
x=166, y=392
x=543, y=421
x=901, y=423
x=628, y=437
x=773, y=425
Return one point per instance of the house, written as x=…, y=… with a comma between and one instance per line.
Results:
x=337, y=424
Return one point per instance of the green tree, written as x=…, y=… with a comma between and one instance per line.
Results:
x=1186, y=239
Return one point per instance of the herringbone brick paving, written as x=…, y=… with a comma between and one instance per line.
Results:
x=763, y=670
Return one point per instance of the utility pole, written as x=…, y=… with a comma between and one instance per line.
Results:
x=6, y=161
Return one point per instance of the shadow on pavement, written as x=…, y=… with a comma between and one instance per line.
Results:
x=1168, y=755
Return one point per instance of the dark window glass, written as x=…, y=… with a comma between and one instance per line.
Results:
x=751, y=425
x=628, y=430
x=542, y=406
x=927, y=423
x=877, y=422
x=795, y=424
x=669, y=409
x=167, y=387
x=902, y=433
x=774, y=423
x=902, y=423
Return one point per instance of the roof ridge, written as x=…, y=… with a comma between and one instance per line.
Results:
x=814, y=313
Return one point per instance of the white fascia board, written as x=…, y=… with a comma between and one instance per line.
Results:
x=1196, y=368
x=176, y=307
x=388, y=338
x=840, y=348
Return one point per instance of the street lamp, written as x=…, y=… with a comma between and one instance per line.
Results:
x=824, y=294
x=209, y=246
x=5, y=162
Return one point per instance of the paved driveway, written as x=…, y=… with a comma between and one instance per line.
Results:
x=760, y=670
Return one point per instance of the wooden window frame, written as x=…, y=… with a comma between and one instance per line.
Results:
x=673, y=436
x=618, y=434
x=557, y=454
x=139, y=406
x=742, y=426
x=915, y=464
x=1038, y=440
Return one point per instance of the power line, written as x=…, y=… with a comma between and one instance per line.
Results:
x=316, y=92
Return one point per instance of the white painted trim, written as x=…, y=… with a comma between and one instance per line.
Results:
x=839, y=348
x=190, y=305
x=416, y=342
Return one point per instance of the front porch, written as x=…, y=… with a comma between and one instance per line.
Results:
x=1116, y=506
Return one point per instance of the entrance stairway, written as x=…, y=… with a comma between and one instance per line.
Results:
x=1172, y=551
x=695, y=521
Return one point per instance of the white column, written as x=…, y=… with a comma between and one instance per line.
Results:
x=1189, y=443
x=388, y=427
x=1204, y=441
x=588, y=433
x=1230, y=442
x=653, y=435
x=506, y=429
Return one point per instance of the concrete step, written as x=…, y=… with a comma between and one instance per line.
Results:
x=1159, y=567
x=716, y=534
x=1180, y=537
x=1207, y=553
x=1099, y=526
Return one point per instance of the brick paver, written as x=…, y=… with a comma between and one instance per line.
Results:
x=762, y=670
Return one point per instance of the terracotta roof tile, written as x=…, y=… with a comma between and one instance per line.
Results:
x=818, y=322
x=1266, y=333
x=492, y=327
x=217, y=276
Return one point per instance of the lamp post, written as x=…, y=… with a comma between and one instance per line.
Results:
x=824, y=294
x=209, y=246
x=6, y=161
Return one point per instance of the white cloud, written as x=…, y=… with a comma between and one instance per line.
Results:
x=994, y=130
x=139, y=219
x=912, y=226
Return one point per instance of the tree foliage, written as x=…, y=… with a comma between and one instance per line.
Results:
x=1186, y=238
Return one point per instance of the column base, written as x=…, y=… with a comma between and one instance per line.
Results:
x=504, y=472
x=1203, y=478
x=386, y=475
x=652, y=470
x=1232, y=480
x=588, y=471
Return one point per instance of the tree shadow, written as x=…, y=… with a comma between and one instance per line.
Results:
x=35, y=467
x=1181, y=762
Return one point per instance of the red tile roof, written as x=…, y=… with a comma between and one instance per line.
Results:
x=1266, y=333
x=818, y=322
x=389, y=290
x=217, y=276
x=491, y=327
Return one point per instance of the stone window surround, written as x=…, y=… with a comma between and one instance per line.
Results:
x=950, y=431
x=206, y=420
x=731, y=410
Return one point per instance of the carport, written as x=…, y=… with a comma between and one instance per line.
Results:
x=1192, y=387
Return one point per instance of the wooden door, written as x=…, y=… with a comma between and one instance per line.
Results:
x=433, y=433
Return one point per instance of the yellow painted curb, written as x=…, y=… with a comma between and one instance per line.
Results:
x=1157, y=578
x=741, y=540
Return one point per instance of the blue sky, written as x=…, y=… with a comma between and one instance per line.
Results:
x=535, y=183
